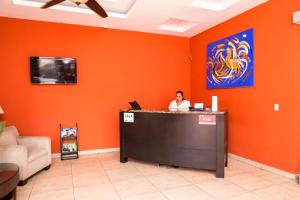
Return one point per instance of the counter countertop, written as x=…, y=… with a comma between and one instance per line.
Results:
x=175, y=112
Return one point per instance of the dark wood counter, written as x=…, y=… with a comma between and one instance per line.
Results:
x=184, y=139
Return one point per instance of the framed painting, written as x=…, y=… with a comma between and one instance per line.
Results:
x=230, y=62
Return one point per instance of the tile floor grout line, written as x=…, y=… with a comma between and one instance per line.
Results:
x=73, y=180
x=142, y=175
x=152, y=183
x=256, y=167
x=253, y=191
x=249, y=172
x=194, y=184
x=30, y=192
x=191, y=184
x=105, y=171
x=264, y=187
x=31, y=187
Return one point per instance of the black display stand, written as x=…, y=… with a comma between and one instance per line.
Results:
x=68, y=142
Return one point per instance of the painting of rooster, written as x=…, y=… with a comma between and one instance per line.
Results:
x=230, y=62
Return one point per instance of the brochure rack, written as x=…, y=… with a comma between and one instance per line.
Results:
x=68, y=142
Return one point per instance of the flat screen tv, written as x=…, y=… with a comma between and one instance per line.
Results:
x=53, y=70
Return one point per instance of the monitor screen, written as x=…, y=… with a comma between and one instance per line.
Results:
x=53, y=70
x=135, y=105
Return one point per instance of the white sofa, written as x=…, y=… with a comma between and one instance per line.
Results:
x=30, y=153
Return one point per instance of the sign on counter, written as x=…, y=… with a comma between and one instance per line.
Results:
x=207, y=119
x=129, y=117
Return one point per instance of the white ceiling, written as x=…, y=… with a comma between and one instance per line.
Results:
x=139, y=15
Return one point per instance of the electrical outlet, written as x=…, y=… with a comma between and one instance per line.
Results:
x=276, y=107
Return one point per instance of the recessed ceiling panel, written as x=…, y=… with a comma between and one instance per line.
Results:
x=216, y=5
x=177, y=25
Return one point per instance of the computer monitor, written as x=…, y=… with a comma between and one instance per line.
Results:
x=135, y=105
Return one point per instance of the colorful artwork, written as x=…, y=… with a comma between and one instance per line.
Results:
x=68, y=132
x=230, y=62
x=69, y=147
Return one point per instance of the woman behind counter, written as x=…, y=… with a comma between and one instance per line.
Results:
x=179, y=104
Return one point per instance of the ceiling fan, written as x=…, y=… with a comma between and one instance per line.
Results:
x=92, y=4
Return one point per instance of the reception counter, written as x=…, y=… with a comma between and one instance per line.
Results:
x=185, y=139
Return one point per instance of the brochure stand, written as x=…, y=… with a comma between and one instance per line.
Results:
x=68, y=142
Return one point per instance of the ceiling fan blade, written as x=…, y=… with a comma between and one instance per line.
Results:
x=93, y=5
x=51, y=3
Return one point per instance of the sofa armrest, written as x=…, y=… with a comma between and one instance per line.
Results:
x=32, y=142
x=15, y=154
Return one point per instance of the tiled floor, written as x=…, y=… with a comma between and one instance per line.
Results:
x=103, y=177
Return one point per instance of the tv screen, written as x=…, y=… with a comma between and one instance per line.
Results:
x=53, y=70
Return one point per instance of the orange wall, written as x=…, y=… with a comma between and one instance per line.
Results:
x=256, y=131
x=113, y=67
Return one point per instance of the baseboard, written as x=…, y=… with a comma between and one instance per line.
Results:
x=89, y=152
x=264, y=167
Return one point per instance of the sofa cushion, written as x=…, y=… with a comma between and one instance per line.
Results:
x=9, y=135
x=36, y=153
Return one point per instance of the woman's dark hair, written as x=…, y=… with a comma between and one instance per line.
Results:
x=180, y=92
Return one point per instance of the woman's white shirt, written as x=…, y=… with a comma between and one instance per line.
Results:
x=184, y=106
